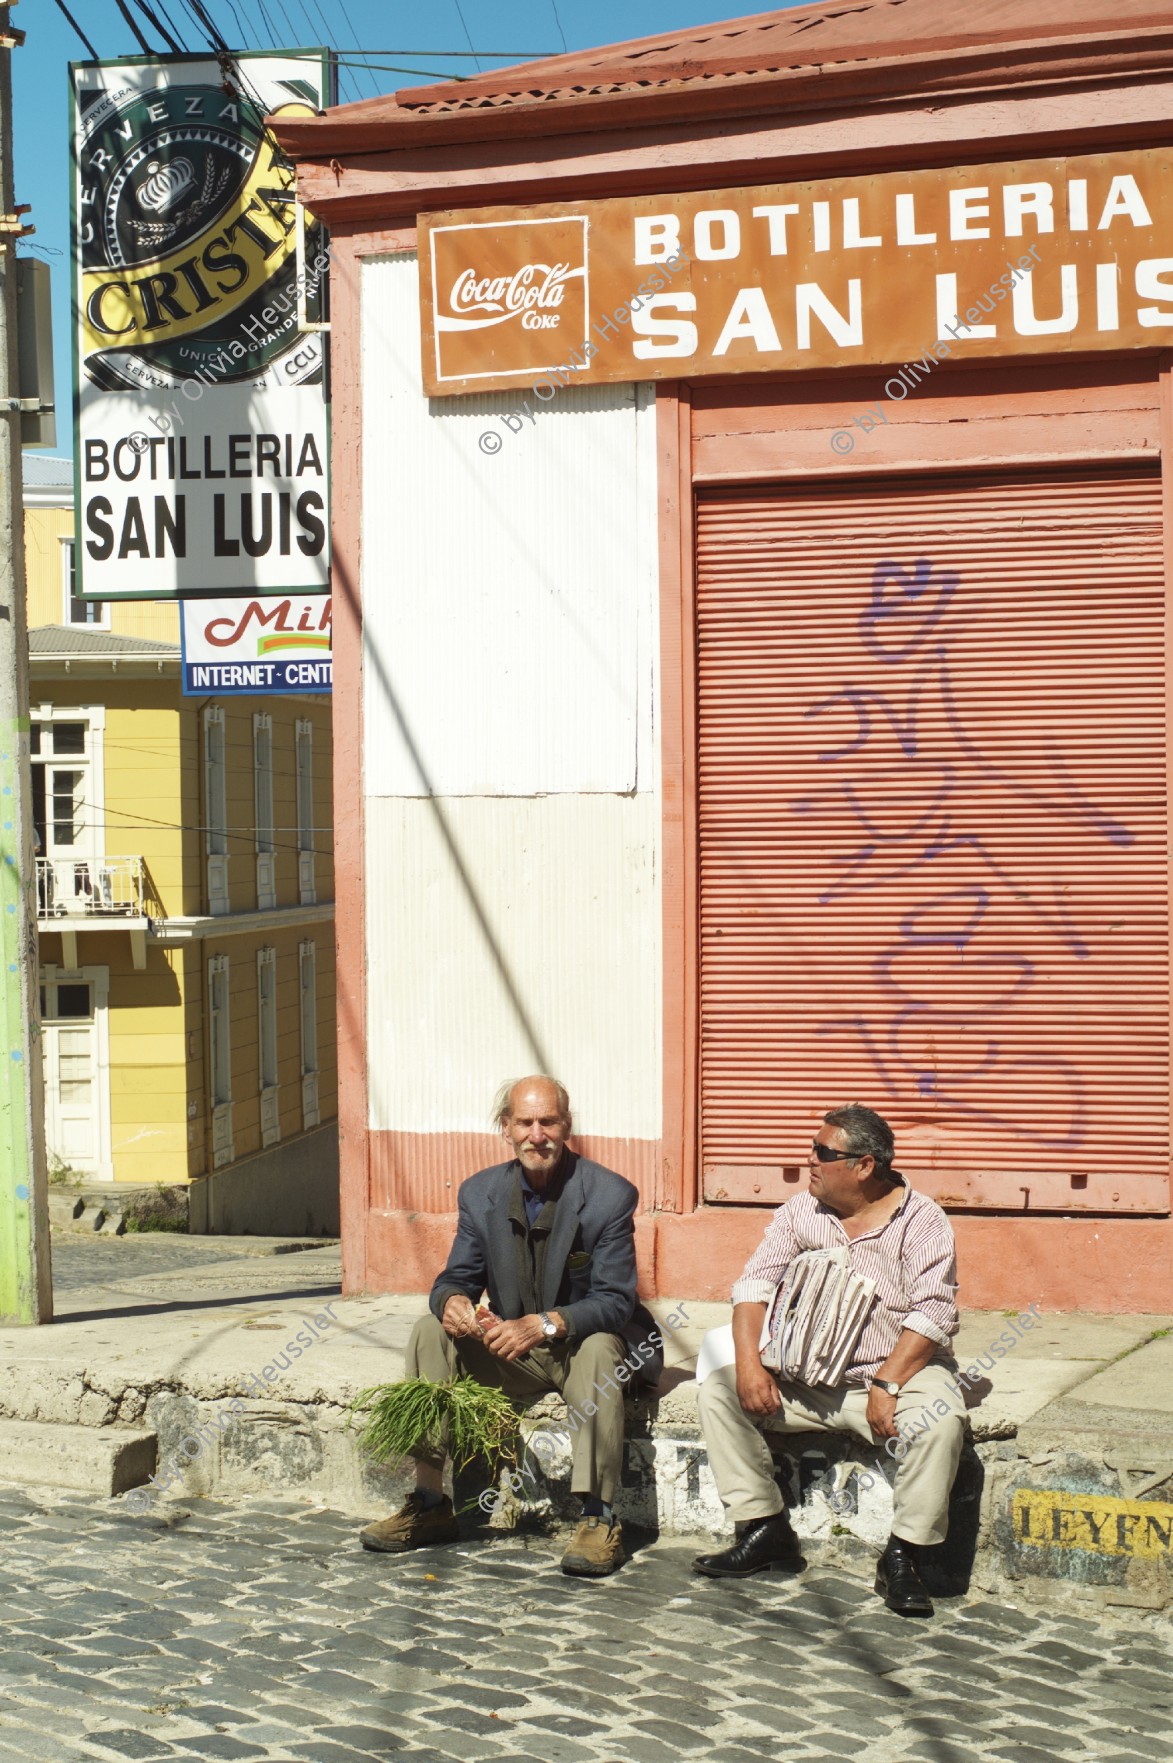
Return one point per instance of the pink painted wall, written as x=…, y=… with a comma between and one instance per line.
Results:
x=1063, y=1263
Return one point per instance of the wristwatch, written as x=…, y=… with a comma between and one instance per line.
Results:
x=549, y=1328
x=889, y=1389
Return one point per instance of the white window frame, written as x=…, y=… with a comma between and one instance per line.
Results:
x=267, y=1052
x=307, y=995
x=265, y=836
x=100, y=608
x=216, y=808
x=61, y=884
x=304, y=749
x=220, y=1061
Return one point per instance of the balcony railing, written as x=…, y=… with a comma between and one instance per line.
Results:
x=82, y=887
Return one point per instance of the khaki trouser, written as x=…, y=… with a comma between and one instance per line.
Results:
x=744, y=1468
x=577, y=1368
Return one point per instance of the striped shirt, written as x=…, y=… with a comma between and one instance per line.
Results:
x=911, y=1257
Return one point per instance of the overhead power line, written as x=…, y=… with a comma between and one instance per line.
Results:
x=230, y=67
x=278, y=7
x=209, y=36
x=153, y=19
x=247, y=834
x=124, y=9
x=463, y=54
x=460, y=16
x=244, y=43
x=431, y=73
x=368, y=61
x=171, y=24
x=218, y=42
x=353, y=83
x=61, y=7
x=266, y=20
x=374, y=84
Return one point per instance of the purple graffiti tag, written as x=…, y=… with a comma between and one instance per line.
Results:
x=911, y=798
x=903, y=613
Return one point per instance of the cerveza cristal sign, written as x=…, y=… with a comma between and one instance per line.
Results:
x=201, y=413
x=252, y=522
x=177, y=295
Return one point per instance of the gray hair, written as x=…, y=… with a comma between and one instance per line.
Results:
x=502, y=1110
x=867, y=1133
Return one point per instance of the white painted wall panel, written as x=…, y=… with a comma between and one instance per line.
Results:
x=509, y=598
x=509, y=935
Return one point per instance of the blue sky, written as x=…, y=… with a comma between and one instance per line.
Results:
x=434, y=43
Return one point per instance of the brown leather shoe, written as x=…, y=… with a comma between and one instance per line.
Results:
x=596, y=1549
x=414, y=1526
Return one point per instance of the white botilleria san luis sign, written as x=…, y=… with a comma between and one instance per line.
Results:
x=201, y=415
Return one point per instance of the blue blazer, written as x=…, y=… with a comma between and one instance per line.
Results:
x=594, y=1224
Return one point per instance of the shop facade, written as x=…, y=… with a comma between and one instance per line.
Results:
x=750, y=582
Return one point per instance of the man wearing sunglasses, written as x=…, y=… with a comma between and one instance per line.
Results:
x=901, y=1364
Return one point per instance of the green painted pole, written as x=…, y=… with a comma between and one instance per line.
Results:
x=26, y=1287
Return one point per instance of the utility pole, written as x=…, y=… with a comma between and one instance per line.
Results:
x=26, y=1288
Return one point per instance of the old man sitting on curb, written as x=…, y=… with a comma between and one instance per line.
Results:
x=899, y=1364
x=551, y=1236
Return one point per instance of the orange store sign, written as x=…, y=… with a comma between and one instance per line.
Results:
x=1027, y=258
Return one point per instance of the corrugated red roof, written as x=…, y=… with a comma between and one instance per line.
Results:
x=774, y=42
x=809, y=57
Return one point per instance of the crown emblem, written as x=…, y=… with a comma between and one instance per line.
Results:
x=165, y=185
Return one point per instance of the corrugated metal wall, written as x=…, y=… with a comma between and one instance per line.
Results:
x=508, y=596
x=546, y=937
x=934, y=832
x=512, y=814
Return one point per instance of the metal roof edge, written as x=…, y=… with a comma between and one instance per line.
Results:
x=85, y=640
x=104, y=667
x=808, y=88
x=47, y=496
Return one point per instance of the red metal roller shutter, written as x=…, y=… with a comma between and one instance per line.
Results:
x=934, y=833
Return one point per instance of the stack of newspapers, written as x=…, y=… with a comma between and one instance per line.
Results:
x=816, y=1318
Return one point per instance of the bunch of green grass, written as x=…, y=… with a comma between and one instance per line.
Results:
x=403, y=1419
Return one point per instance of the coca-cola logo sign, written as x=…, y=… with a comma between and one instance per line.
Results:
x=531, y=294
x=523, y=283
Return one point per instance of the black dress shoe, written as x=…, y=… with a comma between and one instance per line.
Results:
x=765, y=1542
x=899, y=1583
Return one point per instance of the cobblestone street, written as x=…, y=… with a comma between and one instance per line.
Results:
x=262, y=1630
x=112, y=1273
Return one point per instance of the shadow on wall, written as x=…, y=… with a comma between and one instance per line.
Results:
x=152, y=902
x=345, y=589
x=289, y=1190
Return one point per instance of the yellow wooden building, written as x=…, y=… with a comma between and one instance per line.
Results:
x=185, y=908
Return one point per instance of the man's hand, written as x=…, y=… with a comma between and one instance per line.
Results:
x=512, y=1340
x=459, y=1318
x=912, y=1352
x=881, y=1415
x=757, y=1388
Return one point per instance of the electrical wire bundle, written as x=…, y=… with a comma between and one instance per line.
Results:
x=152, y=19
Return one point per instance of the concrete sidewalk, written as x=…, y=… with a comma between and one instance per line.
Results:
x=1067, y=1476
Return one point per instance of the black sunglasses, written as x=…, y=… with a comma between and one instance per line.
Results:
x=827, y=1153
